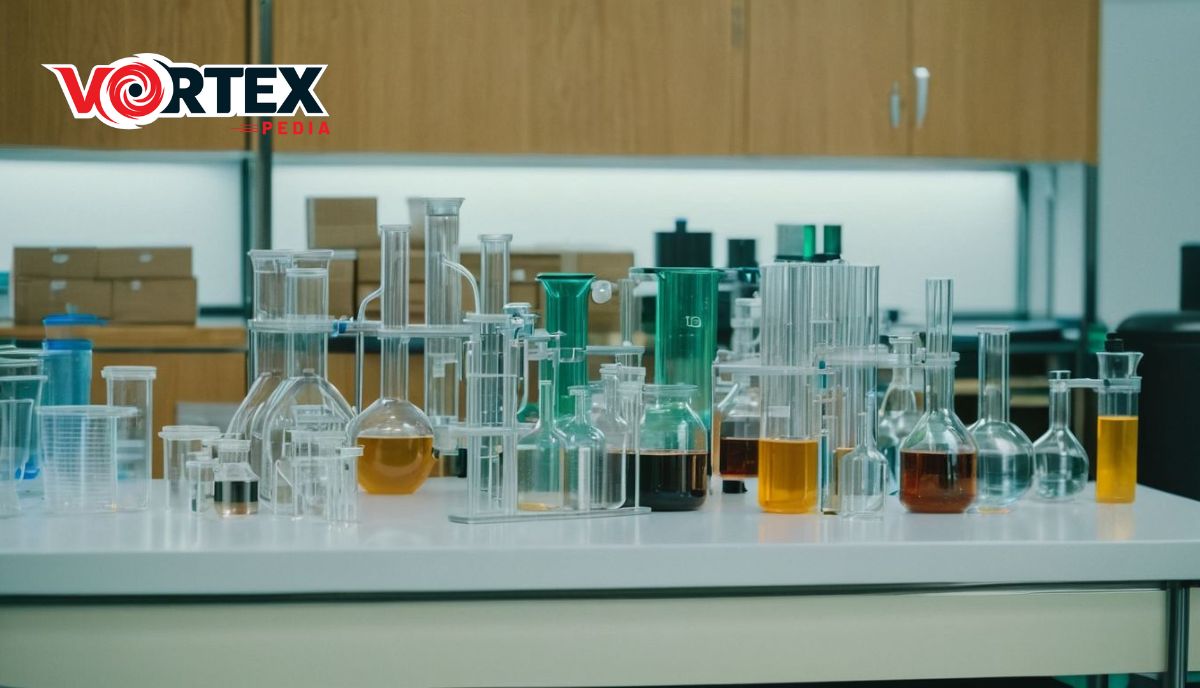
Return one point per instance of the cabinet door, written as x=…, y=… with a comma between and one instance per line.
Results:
x=1008, y=79
x=87, y=33
x=821, y=77
x=519, y=76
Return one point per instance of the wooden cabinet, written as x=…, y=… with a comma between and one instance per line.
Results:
x=821, y=77
x=1008, y=79
x=88, y=33
x=520, y=76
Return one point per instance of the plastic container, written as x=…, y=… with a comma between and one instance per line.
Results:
x=16, y=425
x=68, y=359
x=235, y=489
x=79, y=452
x=133, y=387
x=180, y=444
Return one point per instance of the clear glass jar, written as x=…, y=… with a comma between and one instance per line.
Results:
x=540, y=472
x=1060, y=462
x=673, y=459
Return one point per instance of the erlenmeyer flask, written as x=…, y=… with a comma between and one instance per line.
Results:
x=937, y=460
x=567, y=312
x=1005, y=459
x=1060, y=461
x=540, y=470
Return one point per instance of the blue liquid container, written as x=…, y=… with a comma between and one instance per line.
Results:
x=67, y=365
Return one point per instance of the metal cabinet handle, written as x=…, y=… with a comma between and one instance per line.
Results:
x=921, y=74
x=894, y=105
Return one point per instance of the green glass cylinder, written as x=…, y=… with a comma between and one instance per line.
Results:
x=567, y=312
x=685, y=338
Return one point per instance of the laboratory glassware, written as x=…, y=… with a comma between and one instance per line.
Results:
x=685, y=333
x=133, y=386
x=16, y=423
x=672, y=450
x=1116, y=423
x=863, y=471
x=493, y=272
x=1004, y=462
x=567, y=313
x=67, y=361
x=201, y=473
x=937, y=459
x=79, y=451
x=235, y=489
x=541, y=473
x=898, y=412
x=268, y=341
x=180, y=443
x=737, y=417
x=30, y=390
x=593, y=477
x=443, y=306
x=1060, y=461
x=618, y=436
x=395, y=435
x=341, y=494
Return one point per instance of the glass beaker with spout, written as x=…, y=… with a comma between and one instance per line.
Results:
x=937, y=460
x=1005, y=458
x=1117, y=423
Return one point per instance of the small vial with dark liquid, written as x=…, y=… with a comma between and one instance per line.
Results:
x=937, y=482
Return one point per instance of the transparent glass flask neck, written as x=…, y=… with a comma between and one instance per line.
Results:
x=993, y=376
x=393, y=368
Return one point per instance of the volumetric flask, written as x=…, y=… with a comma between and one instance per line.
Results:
x=1060, y=462
x=1005, y=459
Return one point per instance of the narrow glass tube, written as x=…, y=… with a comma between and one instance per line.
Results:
x=493, y=272
x=393, y=277
x=443, y=306
x=567, y=312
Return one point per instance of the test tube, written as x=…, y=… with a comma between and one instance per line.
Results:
x=341, y=499
x=493, y=272
x=443, y=306
x=180, y=443
x=393, y=275
x=133, y=386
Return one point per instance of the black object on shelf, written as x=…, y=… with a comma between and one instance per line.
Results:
x=743, y=253
x=1189, y=278
x=683, y=249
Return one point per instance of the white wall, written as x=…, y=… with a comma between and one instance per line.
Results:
x=913, y=223
x=1149, y=199
x=107, y=203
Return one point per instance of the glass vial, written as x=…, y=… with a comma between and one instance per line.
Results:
x=1005, y=459
x=1060, y=462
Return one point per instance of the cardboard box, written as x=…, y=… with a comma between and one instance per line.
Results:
x=606, y=265
x=369, y=263
x=79, y=262
x=154, y=300
x=341, y=285
x=342, y=223
x=149, y=261
x=35, y=298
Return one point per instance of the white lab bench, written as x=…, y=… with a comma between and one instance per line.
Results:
x=727, y=594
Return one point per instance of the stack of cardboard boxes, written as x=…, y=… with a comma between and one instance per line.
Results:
x=146, y=285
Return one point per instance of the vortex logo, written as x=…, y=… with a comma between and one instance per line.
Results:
x=135, y=91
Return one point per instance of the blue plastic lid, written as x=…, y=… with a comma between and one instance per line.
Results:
x=61, y=319
x=67, y=345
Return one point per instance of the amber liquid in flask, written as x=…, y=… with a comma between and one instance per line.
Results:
x=739, y=457
x=937, y=482
x=394, y=465
x=1116, y=458
x=670, y=480
x=787, y=476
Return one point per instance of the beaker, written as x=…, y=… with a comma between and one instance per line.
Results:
x=396, y=437
x=673, y=450
x=1116, y=424
x=268, y=341
x=67, y=362
x=737, y=416
x=201, y=472
x=1005, y=458
x=540, y=469
x=862, y=473
x=685, y=333
x=618, y=436
x=79, y=451
x=567, y=312
x=1060, y=461
x=443, y=306
x=788, y=452
x=30, y=390
x=898, y=412
x=937, y=460
x=133, y=386
x=180, y=442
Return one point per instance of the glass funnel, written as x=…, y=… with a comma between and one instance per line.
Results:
x=1060, y=462
x=567, y=312
x=1005, y=459
x=937, y=460
x=593, y=478
x=1116, y=424
x=673, y=451
x=540, y=470
x=898, y=412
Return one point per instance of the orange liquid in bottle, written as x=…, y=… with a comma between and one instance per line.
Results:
x=787, y=476
x=394, y=465
x=1116, y=458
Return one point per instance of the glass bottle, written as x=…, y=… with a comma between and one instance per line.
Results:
x=1060, y=461
x=898, y=412
x=618, y=435
x=396, y=437
x=937, y=460
x=540, y=474
x=1005, y=458
x=863, y=472
x=673, y=451
x=592, y=480
x=1117, y=424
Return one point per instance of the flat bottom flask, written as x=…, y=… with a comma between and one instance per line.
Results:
x=787, y=475
x=671, y=480
x=394, y=464
x=937, y=482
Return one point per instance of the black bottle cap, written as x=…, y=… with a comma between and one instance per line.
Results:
x=1113, y=343
x=743, y=253
x=733, y=487
x=682, y=249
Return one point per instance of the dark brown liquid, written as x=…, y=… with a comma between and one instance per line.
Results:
x=739, y=457
x=669, y=481
x=937, y=482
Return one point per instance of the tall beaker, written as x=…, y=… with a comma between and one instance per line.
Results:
x=567, y=312
x=1117, y=424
